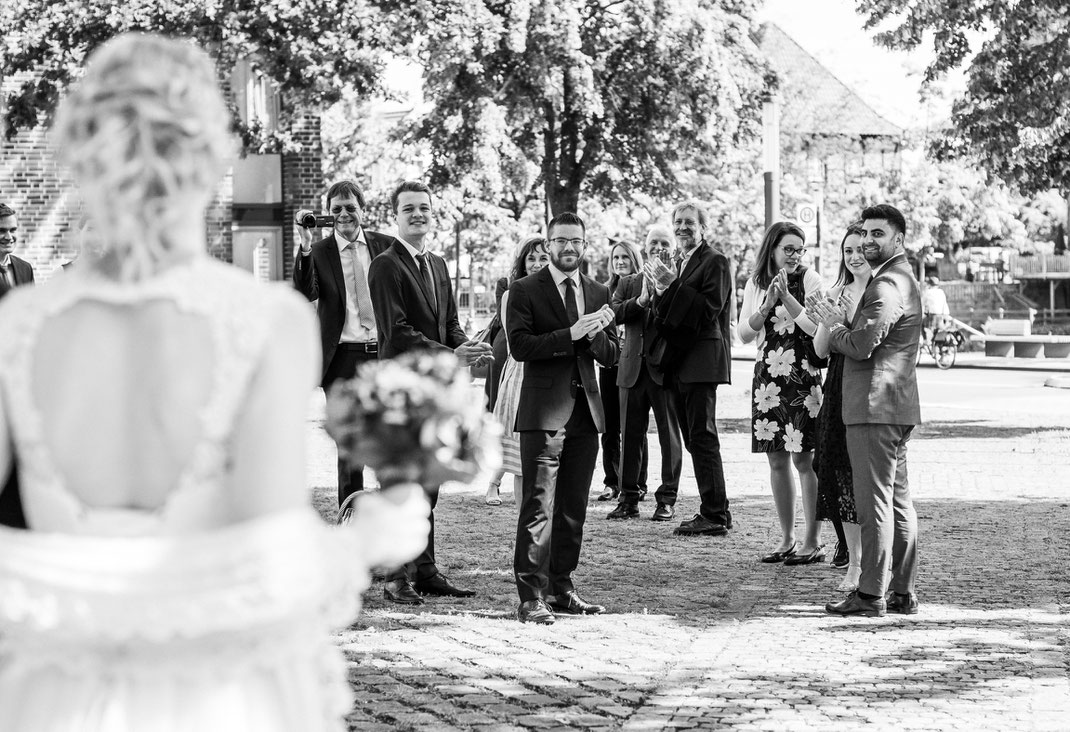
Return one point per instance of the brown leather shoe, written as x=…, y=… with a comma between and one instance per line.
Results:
x=572, y=604
x=402, y=592
x=855, y=605
x=535, y=611
x=903, y=604
x=439, y=584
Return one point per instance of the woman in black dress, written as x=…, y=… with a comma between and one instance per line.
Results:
x=835, y=495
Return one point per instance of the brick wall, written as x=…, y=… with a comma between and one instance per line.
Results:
x=32, y=184
x=302, y=179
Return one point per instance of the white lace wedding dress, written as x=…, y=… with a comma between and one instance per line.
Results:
x=168, y=614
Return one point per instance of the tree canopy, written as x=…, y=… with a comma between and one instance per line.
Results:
x=308, y=48
x=1013, y=119
x=593, y=97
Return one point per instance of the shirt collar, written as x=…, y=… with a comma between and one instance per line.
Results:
x=413, y=251
x=343, y=242
x=6, y=261
x=560, y=276
x=883, y=265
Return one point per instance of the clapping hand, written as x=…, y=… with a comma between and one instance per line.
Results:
x=591, y=323
x=661, y=275
x=824, y=310
x=475, y=353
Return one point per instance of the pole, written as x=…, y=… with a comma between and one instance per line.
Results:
x=771, y=159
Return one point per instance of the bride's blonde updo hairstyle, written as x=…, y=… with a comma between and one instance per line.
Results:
x=146, y=135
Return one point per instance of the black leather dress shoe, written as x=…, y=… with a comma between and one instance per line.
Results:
x=440, y=585
x=855, y=605
x=664, y=512
x=534, y=611
x=572, y=604
x=402, y=592
x=624, y=511
x=903, y=604
x=700, y=526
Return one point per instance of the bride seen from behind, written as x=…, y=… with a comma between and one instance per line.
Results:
x=174, y=576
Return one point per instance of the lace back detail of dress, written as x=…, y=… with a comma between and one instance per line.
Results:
x=234, y=307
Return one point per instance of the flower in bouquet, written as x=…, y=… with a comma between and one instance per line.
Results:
x=414, y=418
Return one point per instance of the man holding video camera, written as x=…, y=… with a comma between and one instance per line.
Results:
x=334, y=272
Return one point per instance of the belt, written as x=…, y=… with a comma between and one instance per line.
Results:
x=368, y=347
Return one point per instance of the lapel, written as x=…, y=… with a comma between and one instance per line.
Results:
x=551, y=293
x=693, y=261
x=414, y=270
x=892, y=263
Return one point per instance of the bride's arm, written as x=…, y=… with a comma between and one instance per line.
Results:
x=269, y=468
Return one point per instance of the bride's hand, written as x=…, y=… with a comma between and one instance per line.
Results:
x=392, y=525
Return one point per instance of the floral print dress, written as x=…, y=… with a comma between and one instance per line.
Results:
x=787, y=381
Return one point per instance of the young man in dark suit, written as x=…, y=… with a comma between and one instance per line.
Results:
x=559, y=324
x=334, y=272
x=642, y=388
x=692, y=308
x=415, y=309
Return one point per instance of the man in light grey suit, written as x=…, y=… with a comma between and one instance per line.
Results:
x=880, y=409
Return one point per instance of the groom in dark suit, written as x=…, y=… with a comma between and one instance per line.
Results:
x=559, y=324
x=880, y=409
x=334, y=272
x=415, y=309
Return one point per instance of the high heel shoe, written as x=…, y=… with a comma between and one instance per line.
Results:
x=817, y=555
x=492, y=498
x=778, y=556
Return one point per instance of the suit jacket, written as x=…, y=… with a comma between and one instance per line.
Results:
x=698, y=304
x=880, y=384
x=638, y=332
x=405, y=313
x=538, y=332
x=23, y=273
x=319, y=277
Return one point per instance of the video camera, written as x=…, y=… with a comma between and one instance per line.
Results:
x=311, y=220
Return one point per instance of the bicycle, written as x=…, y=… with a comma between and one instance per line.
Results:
x=942, y=343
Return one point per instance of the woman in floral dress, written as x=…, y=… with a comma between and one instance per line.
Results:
x=787, y=383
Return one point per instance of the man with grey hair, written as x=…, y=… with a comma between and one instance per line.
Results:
x=692, y=303
x=642, y=389
x=13, y=270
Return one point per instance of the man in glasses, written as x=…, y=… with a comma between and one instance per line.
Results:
x=334, y=272
x=559, y=323
x=691, y=313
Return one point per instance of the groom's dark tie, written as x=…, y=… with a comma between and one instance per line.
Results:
x=572, y=310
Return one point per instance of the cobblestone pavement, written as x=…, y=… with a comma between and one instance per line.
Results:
x=700, y=635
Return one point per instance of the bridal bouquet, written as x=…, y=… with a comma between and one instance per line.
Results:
x=414, y=418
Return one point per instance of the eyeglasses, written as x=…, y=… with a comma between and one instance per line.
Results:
x=574, y=243
x=348, y=209
x=793, y=251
